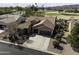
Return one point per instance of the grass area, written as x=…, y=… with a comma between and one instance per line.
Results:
x=70, y=14
x=52, y=14
x=62, y=15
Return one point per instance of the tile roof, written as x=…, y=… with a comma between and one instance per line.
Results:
x=47, y=24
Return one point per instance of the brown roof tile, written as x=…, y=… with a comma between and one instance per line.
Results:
x=48, y=23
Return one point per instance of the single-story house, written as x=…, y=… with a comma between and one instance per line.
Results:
x=45, y=26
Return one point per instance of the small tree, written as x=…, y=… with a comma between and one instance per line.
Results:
x=33, y=11
x=56, y=44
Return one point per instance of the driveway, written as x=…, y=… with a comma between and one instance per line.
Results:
x=37, y=42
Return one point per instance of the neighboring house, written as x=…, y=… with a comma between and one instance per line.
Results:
x=8, y=21
x=7, y=24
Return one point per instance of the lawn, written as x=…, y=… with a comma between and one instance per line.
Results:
x=52, y=13
x=62, y=15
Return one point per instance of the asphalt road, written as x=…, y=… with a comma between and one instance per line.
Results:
x=9, y=49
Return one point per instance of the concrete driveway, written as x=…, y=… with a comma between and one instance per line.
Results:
x=37, y=42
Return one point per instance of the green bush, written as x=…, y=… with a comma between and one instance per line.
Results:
x=73, y=39
x=56, y=43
